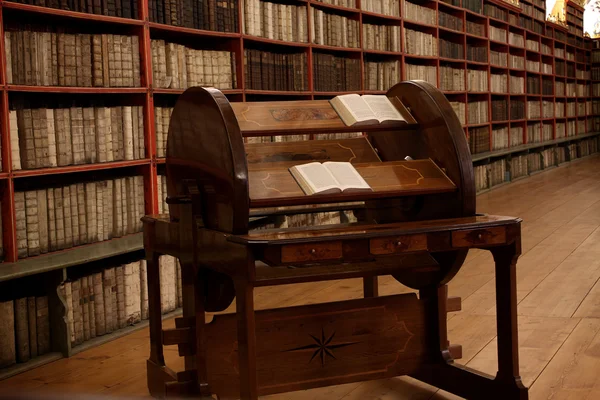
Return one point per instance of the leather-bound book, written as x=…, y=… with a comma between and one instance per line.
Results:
x=22, y=330
x=8, y=354
x=32, y=327
x=91, y=305
x=43, y=324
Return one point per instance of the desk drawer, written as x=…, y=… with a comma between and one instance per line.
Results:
x=474, y=237
x=398, y=244
x=311, y=252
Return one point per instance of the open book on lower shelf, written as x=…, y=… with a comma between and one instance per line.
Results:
x=329, y=177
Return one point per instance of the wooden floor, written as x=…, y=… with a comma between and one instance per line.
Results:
x=558, y=292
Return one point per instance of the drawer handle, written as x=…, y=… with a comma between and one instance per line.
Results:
x=479, y=236
x=398, y=243
x=313, y=251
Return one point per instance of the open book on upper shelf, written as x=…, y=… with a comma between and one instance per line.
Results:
x=329, y=177
x=356, y=110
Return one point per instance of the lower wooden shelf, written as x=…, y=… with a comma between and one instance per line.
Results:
x=70, y=257
x=31, y=364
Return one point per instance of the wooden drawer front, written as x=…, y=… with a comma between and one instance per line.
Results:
x=398, y=244
x=311, y=252
x=474, y=237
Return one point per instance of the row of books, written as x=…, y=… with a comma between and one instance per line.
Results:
x=517, y=109
x=515, y=39
x=498, y=34
x=449, y=49
x=427, y=73
x=459, y=108
x=533, y=45
x=162, y=117
x=547, y=86
x=547, y=109
x=418, y=13
x=111, y=8
x=276, y=21
x=499, y=83
x=498, y=58
x=381, y=37
x=532, y=66
x=420, y=43
x=452, y=78
x=500, y=138
x=516, y=62
x=450, y=21
x=517, y=84
x=534, y=132
x=24, y=329
x=533, y=109
x=385, y=7
x=45, y=137
x=381, y=75
x=497, y=174
x=518, y=166
x=116, y=297
x=478, y=112
x=516, y=136
x=176, y=66
x=334, y=30
x=211, y=15
x=477, y=80
x=479, y=140
x=475, y=28
x=62, y=217
x=533, y=85
x=499, y=109
x=335, y=74
x=275, y=71
x=477, y=52
x=547, y=132
x=62, y=59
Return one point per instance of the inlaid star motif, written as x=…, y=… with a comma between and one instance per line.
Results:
x=322, y=347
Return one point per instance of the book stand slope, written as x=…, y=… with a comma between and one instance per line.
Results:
x=417, y=225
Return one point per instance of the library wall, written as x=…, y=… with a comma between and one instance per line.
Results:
x=87, y=89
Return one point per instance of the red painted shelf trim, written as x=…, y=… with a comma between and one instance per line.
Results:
x=79, y=168
x=71, y=14
x=191, y=31
x=74, y=89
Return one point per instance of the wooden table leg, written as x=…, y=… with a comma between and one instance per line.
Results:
x=370, y=286
x=246, y=332
x=196, y=285
x=505, y=258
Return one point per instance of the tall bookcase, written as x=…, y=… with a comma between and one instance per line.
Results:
x=478, y=43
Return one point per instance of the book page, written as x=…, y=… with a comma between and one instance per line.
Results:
x=357, y=106
x=346, y=175
x=383, y=108
x=317, y=177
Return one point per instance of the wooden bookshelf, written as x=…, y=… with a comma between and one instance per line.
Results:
x=558, y=39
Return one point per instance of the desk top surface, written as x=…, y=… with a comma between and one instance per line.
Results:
x=348, y=231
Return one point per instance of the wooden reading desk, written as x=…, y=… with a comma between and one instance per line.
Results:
x=417, y=225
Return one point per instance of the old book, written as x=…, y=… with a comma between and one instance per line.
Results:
x=61, y=59
x=42, y=203
x=355, y=110
x=107, y=278
x=9, y=76
x=132, y=294
x=101, y=128
x=79, y=73
x=91, y=305
x=98, y=74
x=111, y=52
x=127, y=60
x=115, y=305
x=26, y=138
x=54, y=59
x=32, y=327
x=62, y=125
x=120, y=281
x=70, y=69
x=66, y=198
x=59, y=218
x=43, y=324
x=52, y=241
x=77, y=135
x=40, y=134
x=105, y=57
x=118, y=63
x=99, y=314
x=139, y=198
x=91, y=212
x=130, y=212
x=82, y=210
x=143, y=290
x=77, y=311
x=120, y=138
x=329, y=177
x=21, y=224
x=118, y=208
x=86, y=62
x=8, y=354
x=33, y=231
x=14, y=140
x=85, y=312
x=74, y=214
x=52, y=156
x=135, y=133
x=108, y=210
x=135, y=48
x=100, y=210
x=69, y=303
x=89, y=135
x=22, y=330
